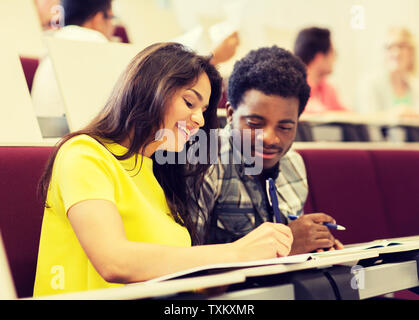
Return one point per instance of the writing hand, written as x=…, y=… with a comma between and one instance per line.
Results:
x=310, y=234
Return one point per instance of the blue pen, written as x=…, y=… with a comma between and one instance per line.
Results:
x=273, y=200
x=327, y=224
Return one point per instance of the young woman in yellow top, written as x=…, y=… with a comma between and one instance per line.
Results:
x=113, y=214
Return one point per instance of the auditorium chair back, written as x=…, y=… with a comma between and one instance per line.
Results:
x=21, y=211
x=373, y=193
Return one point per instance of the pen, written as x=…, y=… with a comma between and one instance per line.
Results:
x=273, y=200
x=327, y=224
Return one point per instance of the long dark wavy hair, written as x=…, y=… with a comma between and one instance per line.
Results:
x=138, y=104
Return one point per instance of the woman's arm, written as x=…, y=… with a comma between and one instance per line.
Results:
x=99, y=228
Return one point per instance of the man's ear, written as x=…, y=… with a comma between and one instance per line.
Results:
x=230, y=112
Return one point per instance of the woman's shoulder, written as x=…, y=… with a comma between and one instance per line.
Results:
x=81, y=141
x=83, y=145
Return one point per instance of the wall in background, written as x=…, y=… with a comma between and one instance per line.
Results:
x=358, y=27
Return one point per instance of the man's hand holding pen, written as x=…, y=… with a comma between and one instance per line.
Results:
x=310, y=234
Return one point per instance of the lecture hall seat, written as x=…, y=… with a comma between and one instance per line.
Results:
x=343, y=184
x=373, y=193
x=21, y=212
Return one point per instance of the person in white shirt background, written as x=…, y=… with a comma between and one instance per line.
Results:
x=84, y=20
x=90, y=20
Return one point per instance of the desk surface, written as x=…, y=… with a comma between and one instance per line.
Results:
x=357, y=145
x=387, y=278
x=355, y=118
x=371, y=281
x=152, y=290
x=349, y=118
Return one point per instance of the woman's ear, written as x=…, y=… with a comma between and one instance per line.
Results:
x=230, y=112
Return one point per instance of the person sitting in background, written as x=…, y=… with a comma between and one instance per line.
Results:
x=91, y=20
x=314, y=47
x=84, y=20
x=395, y=91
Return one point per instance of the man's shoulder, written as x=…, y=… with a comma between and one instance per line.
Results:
x=292, y=166
x=292, y=156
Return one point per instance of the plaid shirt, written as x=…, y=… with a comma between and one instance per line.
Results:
x=233, y=203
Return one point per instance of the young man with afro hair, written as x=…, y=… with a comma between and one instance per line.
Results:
x=267, y=92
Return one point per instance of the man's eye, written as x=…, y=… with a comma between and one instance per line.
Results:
x=285, y=128
x=254, y=124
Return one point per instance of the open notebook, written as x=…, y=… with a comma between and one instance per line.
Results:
x=381, y=246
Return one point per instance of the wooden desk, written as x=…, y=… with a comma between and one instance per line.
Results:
x=342, y=126
x=152, y=290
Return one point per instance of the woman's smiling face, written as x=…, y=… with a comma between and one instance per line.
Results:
x=184, y=114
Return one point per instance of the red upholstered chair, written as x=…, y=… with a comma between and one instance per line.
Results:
x=398, y=180
x=29, y=66
x=343, y=184
x=21, y=212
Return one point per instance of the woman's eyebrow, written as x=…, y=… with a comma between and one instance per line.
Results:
x=196, y=93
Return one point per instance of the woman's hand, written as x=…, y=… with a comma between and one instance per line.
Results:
x=269, y=240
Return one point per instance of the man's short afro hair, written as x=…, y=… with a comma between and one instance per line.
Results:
x=272, y=70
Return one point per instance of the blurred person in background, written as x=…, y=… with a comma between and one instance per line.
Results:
x=314, y=47
x=395, y=90
x=226, y=49
x=91, y=20
x=84, y=20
